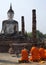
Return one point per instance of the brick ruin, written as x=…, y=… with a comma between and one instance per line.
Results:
x=23, y=26
x=34, y=26
x=17, y=40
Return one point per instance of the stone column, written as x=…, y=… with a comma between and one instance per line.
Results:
x=34, y=26
x=23, y=26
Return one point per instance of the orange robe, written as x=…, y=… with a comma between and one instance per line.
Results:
x=45, y=54
x=42, y=53
x=35, y=56
x=24, y=54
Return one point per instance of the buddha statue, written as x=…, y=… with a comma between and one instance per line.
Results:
x=10, y=26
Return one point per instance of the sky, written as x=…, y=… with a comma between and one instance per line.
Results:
x=24, y=8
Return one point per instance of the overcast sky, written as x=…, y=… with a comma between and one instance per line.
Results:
x=24, y=8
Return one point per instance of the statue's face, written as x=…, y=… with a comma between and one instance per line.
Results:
x=10, y=15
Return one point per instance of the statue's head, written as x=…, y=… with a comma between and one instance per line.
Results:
x=10, y=13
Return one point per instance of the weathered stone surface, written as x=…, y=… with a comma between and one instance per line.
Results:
x=34, y=26
x=23, y=25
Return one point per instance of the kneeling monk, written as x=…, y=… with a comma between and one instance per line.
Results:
x=35, y=56
x=24, y=55
x=42, y=52
x=45, y=54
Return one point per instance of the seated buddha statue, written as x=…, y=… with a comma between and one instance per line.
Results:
x=10, y=26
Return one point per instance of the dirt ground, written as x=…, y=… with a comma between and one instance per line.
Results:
x=8, y=59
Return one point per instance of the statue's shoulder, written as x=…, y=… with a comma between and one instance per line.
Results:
x=15, y=21
x=4, y=21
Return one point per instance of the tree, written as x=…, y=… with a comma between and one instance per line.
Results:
x=39, y=35
x=45, y=35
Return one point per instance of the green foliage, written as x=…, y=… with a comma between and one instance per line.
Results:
x=45, y=35
x=29, y=34
x=40, y=35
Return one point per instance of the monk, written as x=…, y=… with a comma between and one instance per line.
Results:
x=42, y=52
x=35, y=56
x=24, y=55
x=45, y=54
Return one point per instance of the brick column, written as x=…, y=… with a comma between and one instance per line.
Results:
x=34, y=26
x=23, y=26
